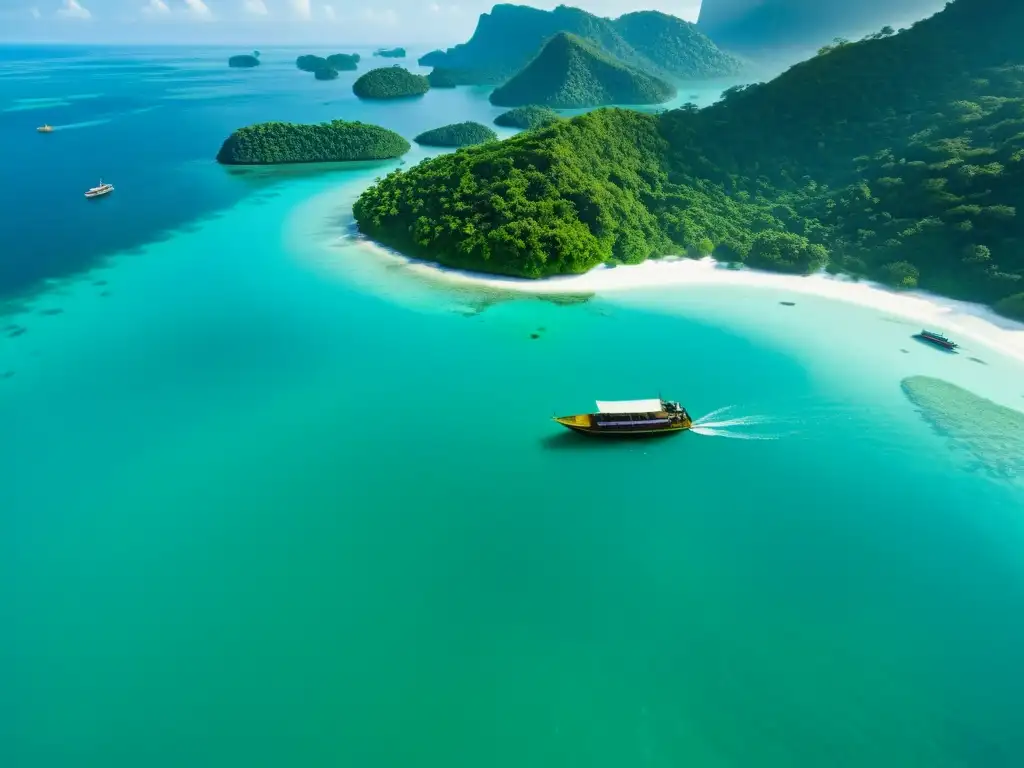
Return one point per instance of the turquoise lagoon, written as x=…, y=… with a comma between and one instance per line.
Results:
x=266, y=501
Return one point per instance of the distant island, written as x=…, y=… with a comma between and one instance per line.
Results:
x=510, y=36
x=322, y=67
x=390, y=83
x=530, y=116
x=441, y=78
x=245, y=60
x=571, y=73
x=457, y=135
x=390, y=53
x=273, y=143
x=915, y=184
x=344, y=61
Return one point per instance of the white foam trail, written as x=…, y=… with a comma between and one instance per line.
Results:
x=739, y=421
x=714, y=413
x=708, y=432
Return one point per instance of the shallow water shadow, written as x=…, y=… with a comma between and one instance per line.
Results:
x=567, y=440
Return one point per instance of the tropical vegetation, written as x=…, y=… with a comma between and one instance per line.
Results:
x=390, y=83
x=899, y=157
x=508, y=37
x=441, y=78
x=530, y=116
x=270, y=143
x=457, y=135
x=570, y=73
x=326, y=73
x=390, y=53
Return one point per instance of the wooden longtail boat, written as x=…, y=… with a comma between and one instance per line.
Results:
x=622, y=418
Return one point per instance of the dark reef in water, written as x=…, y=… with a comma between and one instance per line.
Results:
x=51, y=312
x=992, y=434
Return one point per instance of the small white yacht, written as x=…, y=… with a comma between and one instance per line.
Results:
x=99, y=191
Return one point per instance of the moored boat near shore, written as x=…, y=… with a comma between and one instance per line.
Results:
x=45, y=128
x=621, y=418
x=938, y=340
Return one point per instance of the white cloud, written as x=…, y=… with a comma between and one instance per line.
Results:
x=302, y=9
x=199, y=9
x=35, y=13
x=451, y=10
x=329, y=13
x=74, y=10
x=256, y=7
x=384, y=18
x=156, y=8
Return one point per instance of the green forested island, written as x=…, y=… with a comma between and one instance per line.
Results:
x=457, y=135
x=390, y=53
x=270, y=143
x=441, y=78
x=326, y=73
x=530, y=116
x=390, y=83
x=899, y=158
x=244, y=61
x=338, y=62
x=508, y=37
x=570, y=73
x=344, y=61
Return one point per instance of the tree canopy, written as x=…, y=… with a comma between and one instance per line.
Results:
x=457, y=135
x=390, y=83
x=570, y=72
x=270, y=143
x=530, y=116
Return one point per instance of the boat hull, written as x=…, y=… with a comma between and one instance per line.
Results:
x=585, y=424
x=947, y=345
x=623, y=433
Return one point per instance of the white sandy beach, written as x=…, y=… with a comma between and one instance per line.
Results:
x=964, y=319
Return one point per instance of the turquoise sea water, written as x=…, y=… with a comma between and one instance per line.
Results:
x=264, y=504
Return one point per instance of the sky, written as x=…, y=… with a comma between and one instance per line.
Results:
x=268, y=22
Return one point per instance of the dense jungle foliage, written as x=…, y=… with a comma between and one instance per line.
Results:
x=441, y=78
x=390, y=83
x=508, y=37
x=570, y=73
x=530, y=116
x=899, y=157
x=268, y=143
x=457, y=135
x=326, y=73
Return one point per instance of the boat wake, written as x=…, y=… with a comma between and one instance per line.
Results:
x=719, y=423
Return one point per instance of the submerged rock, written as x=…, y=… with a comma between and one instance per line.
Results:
x=990, y=433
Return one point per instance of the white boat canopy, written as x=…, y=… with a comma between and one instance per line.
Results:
x=629, y=406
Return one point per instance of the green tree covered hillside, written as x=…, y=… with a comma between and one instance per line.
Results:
x=508, y=37
x=569, y=72
x=899, y=157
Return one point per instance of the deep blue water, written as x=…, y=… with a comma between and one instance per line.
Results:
x=150, y=121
